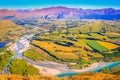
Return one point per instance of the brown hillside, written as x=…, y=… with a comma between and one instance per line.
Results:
x=82, y=76
x=9, y=30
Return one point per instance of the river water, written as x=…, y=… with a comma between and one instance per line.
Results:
x=3, y=44
x=110, y=65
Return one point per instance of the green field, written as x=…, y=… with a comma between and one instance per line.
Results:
x=96, y=46
x=32, y=54
x=21, y=67
x=4, y=57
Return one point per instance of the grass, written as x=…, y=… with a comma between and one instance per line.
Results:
x=9, y=30
x=115, y=69
x=32, y=54
x=81, y=43
x=21, y=67
x=35, y=53
x=97, y=36
x=113, y=34
x=95, y=27
x=4, y=58
x=96, y=46
x=115, y=56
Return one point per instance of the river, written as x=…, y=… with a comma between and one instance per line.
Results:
x=21, y=46
x=98, y=69
x=3, y=44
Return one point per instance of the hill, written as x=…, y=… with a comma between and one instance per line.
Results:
x=9, y=30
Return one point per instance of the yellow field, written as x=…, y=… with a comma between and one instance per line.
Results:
x=42, y=54
x=66, y=55
x=81, y=43
x=116, y=34
x=59, y=51
x=108, y=45
x=50, y=37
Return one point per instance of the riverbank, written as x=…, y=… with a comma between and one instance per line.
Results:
x=18, y=47
x=48, y=68
x=92, y=67
x=95, y=67
x=47, y=71
x=54, y=71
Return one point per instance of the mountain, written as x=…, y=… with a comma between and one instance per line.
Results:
x=62, y=13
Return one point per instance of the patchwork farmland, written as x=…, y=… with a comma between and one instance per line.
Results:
x=57, y=50
x=71, y=45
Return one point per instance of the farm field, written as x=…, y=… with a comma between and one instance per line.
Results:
x=108, y=45
x=83, y=51
x=83, y=45
x=115, y=56
x=35, y=53
x=57, y=50
x=113, y=34
x=96, y=46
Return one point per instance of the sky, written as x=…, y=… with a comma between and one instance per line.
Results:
x=26, y=4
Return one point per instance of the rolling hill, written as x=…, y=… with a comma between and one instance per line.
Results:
x=9, y=30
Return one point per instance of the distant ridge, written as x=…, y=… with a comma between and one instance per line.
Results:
x=61, y=12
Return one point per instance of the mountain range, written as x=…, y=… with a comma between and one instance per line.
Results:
x=61, y=13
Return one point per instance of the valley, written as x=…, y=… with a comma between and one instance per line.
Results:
x=61, y=48
x=59, y=40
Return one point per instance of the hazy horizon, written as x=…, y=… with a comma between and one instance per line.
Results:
x=85, y=4
x=79, y=7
